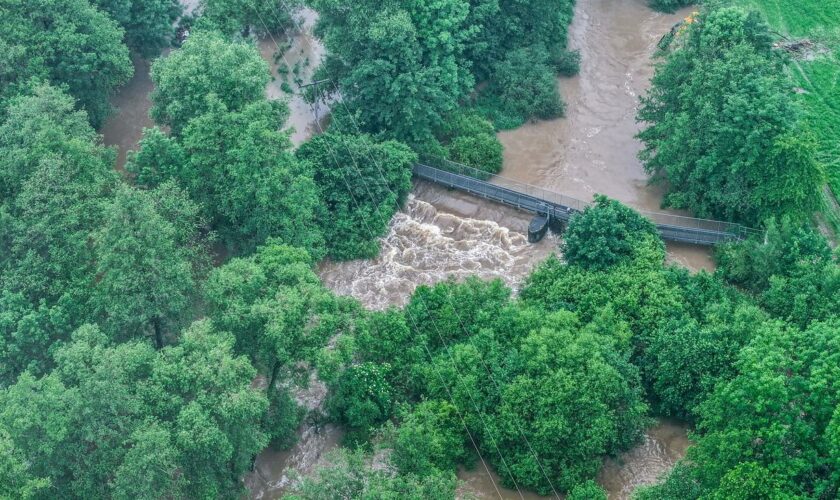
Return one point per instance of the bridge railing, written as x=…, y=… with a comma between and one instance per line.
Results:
x=658, y=218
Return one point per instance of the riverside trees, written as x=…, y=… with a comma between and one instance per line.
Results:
x=722, y=127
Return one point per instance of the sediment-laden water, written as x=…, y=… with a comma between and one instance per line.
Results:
x=442, y=233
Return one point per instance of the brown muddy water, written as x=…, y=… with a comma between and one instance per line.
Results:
x=442, y=233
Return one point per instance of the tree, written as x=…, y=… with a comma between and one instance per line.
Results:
x=786, y=248
x=280, y=316
x=207, y=64
x=159, y=157
x=524, y=85
x=16, y=481
x=233, y=16
x=145, y=279
x=362, y=184
x=241, y=170
x=54, y=184
x=361, y=399
x=399, y=66
x=430, y=438
x=722, y=125
x=587, y=491
x=607, y=233
x=36, y=124
x=347, y=475
x=109, y=415
x=66, y=42
x=768, y=430
x=149, y=24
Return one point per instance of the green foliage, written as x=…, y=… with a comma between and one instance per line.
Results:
x=148, y=24
x=362, y=183
x=400, y=65
x=385, y=337
x=349, y=476
x=274, y=305
x=687, y=357
x=471, y=140
x=607, y=233
x=722, y=125
x=792, y=272
x=16, y=480
x=448, y=312
x=233, y=16
x=524, y=85
x=68, y=43
x=786, y=247
x=207, y=64
x=56, y=183
x=116, y=420
x=587, y=491
x=768, y=429
x=361, y=398
x=146, y=280
x=241, y=170
x=159, y=157
x=37, y=124
x=430, y=438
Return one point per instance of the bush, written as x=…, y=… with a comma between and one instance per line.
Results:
x=567, y=62
x=607, y=233
x=524, y=87
x=430, y=438
x=482, y=151
x=587, y=491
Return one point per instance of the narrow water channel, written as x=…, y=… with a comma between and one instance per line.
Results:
x=443, y=233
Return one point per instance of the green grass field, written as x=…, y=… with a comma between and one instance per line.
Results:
x=818, y=20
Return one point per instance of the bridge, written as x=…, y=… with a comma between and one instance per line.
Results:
x=551, y=207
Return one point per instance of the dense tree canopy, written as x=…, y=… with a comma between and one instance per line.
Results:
x=233, y=73
x=362, y=184
x=722, y=124
x=65, y=42
x=606, y=233
x=149, y=24
x=108, y=412
x=234, y=16
x=399, y=64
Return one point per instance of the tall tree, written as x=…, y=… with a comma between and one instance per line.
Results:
x=67, y=42
x=56, y=182
x=145, y=280
x=207, y=64
x=188, y=413
x=241, y=169
x=362, y=184
x=234, y=16
x=149, y=24
x=278, y=311
x=721, y=124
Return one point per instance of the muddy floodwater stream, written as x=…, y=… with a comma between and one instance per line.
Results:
x=442, y=233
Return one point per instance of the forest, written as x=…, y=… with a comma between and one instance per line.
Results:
x=157, y=321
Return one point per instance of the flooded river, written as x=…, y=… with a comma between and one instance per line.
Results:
x=443, y=233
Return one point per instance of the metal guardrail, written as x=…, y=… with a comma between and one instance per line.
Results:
x=542, y=201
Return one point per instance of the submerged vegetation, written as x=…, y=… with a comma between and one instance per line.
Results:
x=157, y=324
